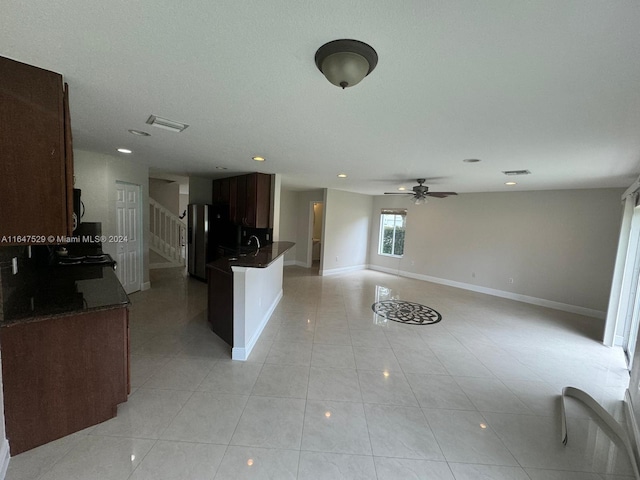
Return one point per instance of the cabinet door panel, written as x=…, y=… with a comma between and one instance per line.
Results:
x=224, y=190
x=250, y=213
x=263, y=201
x=33, y=197
x=233, y=198
x=217, y=194
x=241, y=214
x=68, y=164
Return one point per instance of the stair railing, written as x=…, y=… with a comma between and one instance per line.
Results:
x=168, y=233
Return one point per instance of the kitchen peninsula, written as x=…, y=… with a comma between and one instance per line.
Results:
x=244, y=290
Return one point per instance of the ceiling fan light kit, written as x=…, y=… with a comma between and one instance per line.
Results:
x=346, y=62
x=420, y=193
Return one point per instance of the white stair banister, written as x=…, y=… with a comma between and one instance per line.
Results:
x=168, y=233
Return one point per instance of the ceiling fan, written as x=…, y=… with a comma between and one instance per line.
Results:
x=421, y=192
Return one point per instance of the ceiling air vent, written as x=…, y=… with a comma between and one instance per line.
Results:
x=516, y=172
x=166, y=124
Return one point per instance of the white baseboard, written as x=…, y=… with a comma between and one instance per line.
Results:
x=145, y=286
x=565, y=307
x=243, y=353
x=153, y=266
x=4, y=458
x=632, y=423
x=297, y=263
x=337, y=271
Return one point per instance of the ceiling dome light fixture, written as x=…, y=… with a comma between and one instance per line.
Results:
x=346, y=62
x=124, y=150
x=258, y=159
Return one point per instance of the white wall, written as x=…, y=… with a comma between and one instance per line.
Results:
x=183, y=202
x=200, y=190
x=166, y=194
x=289, y=221
x=274, y=210
x=96, y=175
x=556, y=245
x=346, y=231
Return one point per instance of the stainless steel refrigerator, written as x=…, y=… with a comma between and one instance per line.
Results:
x=199, y=239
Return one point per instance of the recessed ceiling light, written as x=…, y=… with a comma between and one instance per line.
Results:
x=258, y=159
x=125, y=150
x=139, y=133
x=221, y=168
x=402, y=188
x=511, y=183
x=342, y=175
x=471, y=160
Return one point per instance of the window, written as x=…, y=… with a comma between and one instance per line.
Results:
x=392, y=226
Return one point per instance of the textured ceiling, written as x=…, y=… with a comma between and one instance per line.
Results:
x=549, y=86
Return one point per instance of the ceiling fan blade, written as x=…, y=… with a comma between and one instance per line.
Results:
x=440, y=194
x=398, y=193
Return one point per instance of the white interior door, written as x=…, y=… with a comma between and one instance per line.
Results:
x=128, y=231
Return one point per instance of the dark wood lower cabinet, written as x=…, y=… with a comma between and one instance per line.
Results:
x=220, y=303
x=63, y=374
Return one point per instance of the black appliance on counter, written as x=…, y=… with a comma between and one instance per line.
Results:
x=97, y=259
x=85, y=250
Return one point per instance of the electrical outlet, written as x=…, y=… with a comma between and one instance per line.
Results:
x=413, y=262
x=336, y=258
x=473, y=274
x=511, y=280
x=14, y=265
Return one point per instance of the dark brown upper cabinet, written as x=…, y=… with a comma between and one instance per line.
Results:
x=36, y=155
x=248, y=198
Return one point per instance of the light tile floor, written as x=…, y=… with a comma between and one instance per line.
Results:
x=332, y=392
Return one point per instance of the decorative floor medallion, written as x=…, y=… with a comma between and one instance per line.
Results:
x=406, y=312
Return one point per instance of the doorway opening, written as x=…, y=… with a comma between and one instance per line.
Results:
x=314, y=247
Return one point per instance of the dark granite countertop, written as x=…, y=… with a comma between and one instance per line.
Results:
x=245, y=257
x=55, y=291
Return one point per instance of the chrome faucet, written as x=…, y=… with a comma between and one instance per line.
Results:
x=257, y=241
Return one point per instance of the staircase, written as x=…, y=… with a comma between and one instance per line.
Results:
x=168, y=236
